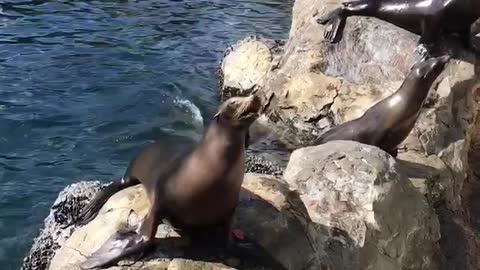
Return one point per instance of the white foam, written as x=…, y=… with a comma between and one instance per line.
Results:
x=197, y=115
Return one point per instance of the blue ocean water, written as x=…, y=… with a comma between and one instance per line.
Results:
x=84, y=84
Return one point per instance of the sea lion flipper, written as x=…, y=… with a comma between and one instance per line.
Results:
x=91, y=210
x=133, y=240
x=327, y=18
x=117, y=247
x=335, y=22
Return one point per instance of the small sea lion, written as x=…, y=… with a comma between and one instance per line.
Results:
x=387, y=123
x=191, y=186
x=428, y=18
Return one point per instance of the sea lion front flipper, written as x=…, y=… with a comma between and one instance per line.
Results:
x=428, y=37
x=335, y=22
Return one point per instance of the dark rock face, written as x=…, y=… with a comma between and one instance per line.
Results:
x=57, y=228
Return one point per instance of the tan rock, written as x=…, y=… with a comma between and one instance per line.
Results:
x=309, y=94
x=268, y=212
x=376, y=217
x=245, y=65
x=354, y=100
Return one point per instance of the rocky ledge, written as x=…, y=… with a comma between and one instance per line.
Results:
x=329, y=220
x=311, y=85
x=341, y=205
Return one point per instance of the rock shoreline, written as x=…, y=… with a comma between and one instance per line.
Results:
x=341, y=205
x=54, y=232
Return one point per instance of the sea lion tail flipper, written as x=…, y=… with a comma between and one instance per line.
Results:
x=90, y=211
x=120, y=245
x=134, y=240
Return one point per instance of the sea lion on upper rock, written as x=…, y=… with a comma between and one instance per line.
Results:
x=191, y=187
x=387, y=123
x=428, y=18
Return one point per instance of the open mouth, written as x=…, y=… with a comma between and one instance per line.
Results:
x=252, y=107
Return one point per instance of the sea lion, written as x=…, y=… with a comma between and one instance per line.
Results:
x=428, y=18
x=387, y=123
x=191, y=187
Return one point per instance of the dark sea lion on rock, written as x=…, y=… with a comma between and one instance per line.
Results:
x=428, y=18
x=387, y=123
x=191, y=187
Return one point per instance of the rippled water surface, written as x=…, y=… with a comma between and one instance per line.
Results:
x=83, y=84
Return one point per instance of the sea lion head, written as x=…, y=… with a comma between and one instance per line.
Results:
x=239, y=112
x=427, y=71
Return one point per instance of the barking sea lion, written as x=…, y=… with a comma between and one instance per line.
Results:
x=191, y=186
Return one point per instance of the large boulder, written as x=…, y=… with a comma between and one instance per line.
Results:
x=247, y=65
x=268, y=212
x=377, y=218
